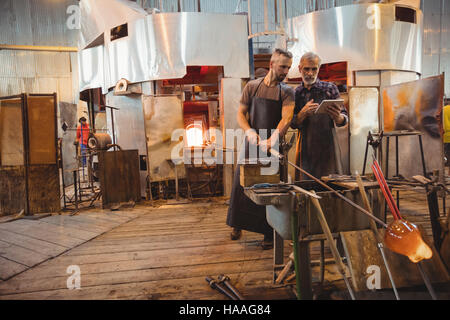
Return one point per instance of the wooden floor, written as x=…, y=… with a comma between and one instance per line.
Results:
x=165, y=252
x=25, y=243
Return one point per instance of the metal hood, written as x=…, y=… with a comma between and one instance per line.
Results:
x=98, y=16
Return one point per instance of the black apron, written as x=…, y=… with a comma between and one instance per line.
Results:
x=243, y=213
x=318, y=149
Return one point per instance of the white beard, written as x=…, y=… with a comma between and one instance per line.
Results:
x=310, y=81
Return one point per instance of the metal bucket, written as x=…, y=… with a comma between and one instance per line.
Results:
x=99, y=141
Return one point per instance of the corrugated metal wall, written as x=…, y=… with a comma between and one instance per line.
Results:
x=43, y=22
x=436, y=40
x=38, y=23
x=289, y=8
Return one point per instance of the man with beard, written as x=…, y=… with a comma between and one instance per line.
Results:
x=317, y=147
x=269, y=104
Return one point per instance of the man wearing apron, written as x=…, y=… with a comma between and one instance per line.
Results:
x=269, y=104
x=317, y=147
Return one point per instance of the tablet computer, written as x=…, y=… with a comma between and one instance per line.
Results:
x=325, y=103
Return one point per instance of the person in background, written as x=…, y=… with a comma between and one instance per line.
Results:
x=82, y=138
x=446, y=129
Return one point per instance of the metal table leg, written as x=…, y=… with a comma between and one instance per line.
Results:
x=302, y=263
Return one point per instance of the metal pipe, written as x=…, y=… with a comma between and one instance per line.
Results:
x=37, y=48
x=281, y=15
x=427, y=281
x=391, y=278
x=376, y=233
x=215, y=285
x=266, y=16
x=226, y=280
x=249, y=18
x=294, y=231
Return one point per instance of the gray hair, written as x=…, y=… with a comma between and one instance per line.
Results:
x=280, y=52
x=310, y=56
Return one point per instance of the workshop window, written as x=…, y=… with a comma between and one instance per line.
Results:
x=405, y=14
x=119, y=32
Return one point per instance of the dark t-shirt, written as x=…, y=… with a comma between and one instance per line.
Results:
x=272, y=93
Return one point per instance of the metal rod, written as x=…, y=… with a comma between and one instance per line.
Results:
x=37, y=48
x=427, y=281
x=226, y=280
x=215, y=285
x=281, y=15
x=266, y=16
x=385, y=193
x=387, y=157
x=337, y=257
x=423, y=158
x=396, y=169
x=365, y=156
x=249, y=17
x=376, y=233
x=294, y=228
x=380, y=246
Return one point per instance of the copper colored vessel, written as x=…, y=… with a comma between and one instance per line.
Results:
x=404, y=238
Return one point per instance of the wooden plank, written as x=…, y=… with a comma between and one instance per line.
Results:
x=71, y=231
x=189, y=288
x=43, y=188
x=9, y=268
x=110, y=216
x=12, y=190
x=36, y=245
x=172, y=225
x=362, y=252
x=84, y=228
x=151, y=259
x=179, y=230
x=94, y=221
x=119, y=176
x=11, y=133
x=18, y=285
x=42, y=138
x=21, y=255
x=177, y=256
x=167, y=242
x=77, y=222
x=38, y=233
x=24, y=224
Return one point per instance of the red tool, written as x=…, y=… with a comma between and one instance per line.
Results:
x=385, y=189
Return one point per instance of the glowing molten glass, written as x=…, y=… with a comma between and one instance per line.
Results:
x=404, y=238
x=194, y=136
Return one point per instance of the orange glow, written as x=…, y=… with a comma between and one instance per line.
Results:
x=404, y=238
x=194, y=135
x=388, y=112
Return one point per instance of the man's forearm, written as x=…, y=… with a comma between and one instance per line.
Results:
x=242, y=121
x=284, y=123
